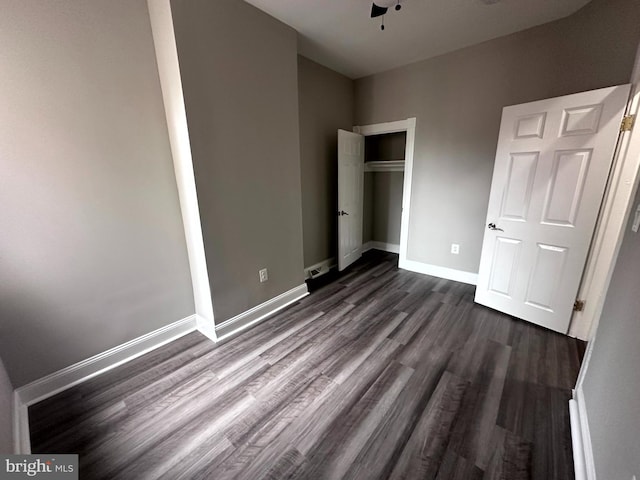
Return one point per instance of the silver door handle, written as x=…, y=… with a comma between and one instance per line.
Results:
x=492, y=226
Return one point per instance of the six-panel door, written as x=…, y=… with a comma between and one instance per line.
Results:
x=350, y=197
x=551, y=169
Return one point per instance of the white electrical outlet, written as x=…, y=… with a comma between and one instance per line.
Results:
x=455, y=248
x=264, y=275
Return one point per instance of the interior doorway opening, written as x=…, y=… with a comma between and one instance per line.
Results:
x=384, y=158
x=389, y=149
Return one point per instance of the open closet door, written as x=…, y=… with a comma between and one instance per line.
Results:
x=350, y=197
x=551, y=169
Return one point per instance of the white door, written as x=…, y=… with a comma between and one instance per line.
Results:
x=551, y=169
x=350, y=197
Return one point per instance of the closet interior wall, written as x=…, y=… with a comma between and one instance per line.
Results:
x=383, y=189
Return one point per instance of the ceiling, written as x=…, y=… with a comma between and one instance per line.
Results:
x=341, y=35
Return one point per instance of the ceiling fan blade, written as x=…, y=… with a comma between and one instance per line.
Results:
x=377, y=11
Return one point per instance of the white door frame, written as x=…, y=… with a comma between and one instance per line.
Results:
x=409, y=126
x=616, y=208
x=614, y=213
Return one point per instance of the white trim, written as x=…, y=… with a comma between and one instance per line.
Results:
x=385, y=247
x=581, y=438
x=586, y=449
x=171, y=84
x=381, y=128
x=68, y=377
x=617, y=206
x=56, y=382
x=408, y=125
x=584, y=366
x=79, y=372
x=384, y=166
x=207, y=328
x=579, y=467
x=21, y=437
x=321, y=267
x=241, y=322
x=442, y=272
x=614, y=214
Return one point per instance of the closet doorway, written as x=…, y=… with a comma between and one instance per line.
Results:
x=383, y=213
x=383, y=183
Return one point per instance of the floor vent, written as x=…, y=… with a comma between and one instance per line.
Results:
x=319, y=269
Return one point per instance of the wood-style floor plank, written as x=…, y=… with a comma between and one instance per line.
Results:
x=379, y=373
x=423, y=453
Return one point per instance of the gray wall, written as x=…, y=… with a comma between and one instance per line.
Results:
x=458, y=100
x=612, y=382
x=387, y=146
x=326, y=103
x=6, y=415
x=382, y=207
x=239, y=75
x=387, y=206
x=367, y=207
x=92, y=249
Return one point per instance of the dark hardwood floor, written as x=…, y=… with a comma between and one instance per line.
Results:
x=380, y=373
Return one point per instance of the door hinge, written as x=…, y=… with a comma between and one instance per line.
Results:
x=627, y=123
x=578, y=306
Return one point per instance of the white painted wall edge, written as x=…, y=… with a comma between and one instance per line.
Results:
x=207, y=328
x=581, y=438
x=323, y=267
x=241, y=322
x=56, y=382
x=385, y=247
x=171, y=84
x=441, y=272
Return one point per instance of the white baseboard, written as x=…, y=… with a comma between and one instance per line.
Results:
x=56, y=382
x=581, y=438
x=68, y=377
x=385, y=247
x=258, y=313
x=441, y=272
x=320, y=268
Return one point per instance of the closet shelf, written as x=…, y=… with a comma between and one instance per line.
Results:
x=384, y=166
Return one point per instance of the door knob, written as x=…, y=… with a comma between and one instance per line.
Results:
x=342, y=212
x=492, y=226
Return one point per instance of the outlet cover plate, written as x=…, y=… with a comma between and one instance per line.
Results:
x=264, y=275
